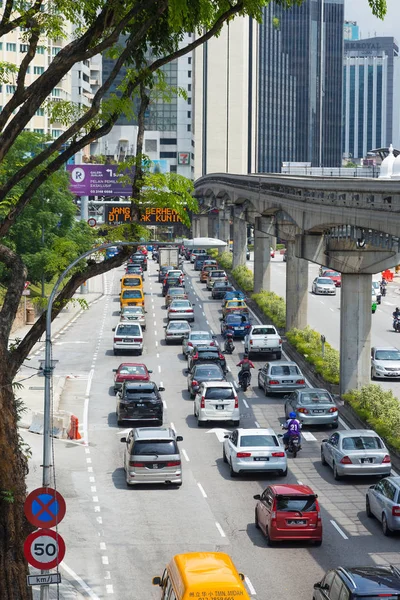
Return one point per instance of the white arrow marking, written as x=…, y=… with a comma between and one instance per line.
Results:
x=220, y=433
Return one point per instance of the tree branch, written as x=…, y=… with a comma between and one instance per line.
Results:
x=14, y=291
x=6, y=25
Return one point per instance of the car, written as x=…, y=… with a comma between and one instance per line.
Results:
x=378, y=292
x=139, y=401
x=206, y=270
x=220, y=288
x=173, y=293
x=313, y=406
x=171, y=282
x=162, y=273
x=210, y=262
x=201, y=373
x=385, y=363
x=272, y=252
x=194, y=254
x=280, y=376
x=284, y=258
x=213, y=276
x=334, y=275
x=131, y=281
x=216, y=401
x=130, y=372
x=132, y=269
x=247, y=254
x=236, y=323
x=206, y=354
x=199, y=261
x=254, y=450
x=323, y=285
x=128, y=336
x=152, y=456
x=356, y=452
x=134, y=313
x=383, y=502
x=289, y=512
x=263, y=339
x=232, y=295
x=139, y=259
x=235, y=305
x=199, y=339
x=176, y=331
x=371, y=582
x=177, y=273
x=181, y=309
x=131, y=297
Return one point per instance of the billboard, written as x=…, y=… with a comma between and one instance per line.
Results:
x=97, y=180
x=121, y=213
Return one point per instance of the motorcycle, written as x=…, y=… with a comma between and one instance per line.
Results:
x=228, y=346
x=293, y=444
x=396, y=325
x=244, y=379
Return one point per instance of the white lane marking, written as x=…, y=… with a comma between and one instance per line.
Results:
x=245, y=403
x=95, y=498
x=159, y=369
x=200, y=307
x=87, y=450
x=90, y=469
x=103, y=546
x=154, y=314
x=203, y=493
x=93, y=489
x=88, y=460
x=104, y=560
x=79, y=580
x=308, y=436
x=164, y=404
x=155, y=323
x=331, y=309
x=92, y=479
x=343, y=424
x=107, y=575
x=257, y=424
x=86, y=409
x=218, y=526
x=336, y=526
x=322, y=302
x=155, y=332
x=204, y=314
x=97, y=509
x=156, y=343
x=99, y=520
x=173, y=426
x=229, y=369
x=250, y=586
x=109, y=589
x=185, y=455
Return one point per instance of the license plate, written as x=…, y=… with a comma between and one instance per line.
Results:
x=367, y=460
x=140, y=404
x=287, y=380
x=264, y=458
x=318, y=411
x=127, y=341
x=297, y=522
x=220, y=407
x=155, y=466
x=240, y=328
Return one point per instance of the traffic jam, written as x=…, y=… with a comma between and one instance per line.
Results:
x=231, y=366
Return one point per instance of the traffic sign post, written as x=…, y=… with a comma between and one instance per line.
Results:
x=44, y=507
x=92, y=222
x=44, y=549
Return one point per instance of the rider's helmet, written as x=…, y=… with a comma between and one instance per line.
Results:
x=246, y=356
x=292, y=415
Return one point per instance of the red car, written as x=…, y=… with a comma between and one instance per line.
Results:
x=289, y=513
x=334, y=275
x=130, y=372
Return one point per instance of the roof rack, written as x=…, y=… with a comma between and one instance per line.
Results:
x=345, y=572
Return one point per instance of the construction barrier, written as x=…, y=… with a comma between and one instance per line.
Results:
x=388, y=275
x=73, y=430
x=58, y=429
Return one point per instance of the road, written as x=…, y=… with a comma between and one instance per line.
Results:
x=118, y=538
x=324, y=311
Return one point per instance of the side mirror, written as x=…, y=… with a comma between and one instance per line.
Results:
x=221, y=319
x=317, y=586
x=214, y=337
x=165, y=326
x=280, y=435
x=115, y=370
x=257, y=497
x=161, y=389
x=187, y=371
x=227, y=436
x=113, y=329
x=241, y=576
x=156, y=581
x=326, y=440
x=179, y=438
x=123, y=439
x=120, y=279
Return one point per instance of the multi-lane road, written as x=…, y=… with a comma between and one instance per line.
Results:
x=118, y=538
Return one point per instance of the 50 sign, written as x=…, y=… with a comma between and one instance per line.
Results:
x=44, y=549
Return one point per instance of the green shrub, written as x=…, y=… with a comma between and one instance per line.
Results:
x=224, y=260
x=273, y=306
x=380, y=409
x=280, y=246
x=308, y=343
x=244, y=278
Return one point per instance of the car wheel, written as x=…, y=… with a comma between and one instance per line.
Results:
x=372, y=374
x=265, y=391
x=256, y=523
x=278, y=355
x=232, y=473
x=199, y=423
x=115, y=352
x=368, y=509
x=318, y=543
x=259, y=384
x=224, y=455
x=385, y=527
x=140, y=352
x=283, y=473
x=192, y=396
x=270, y=543
x=236, y=423
x=336, y=475
x=323, y=460
x=335, y=425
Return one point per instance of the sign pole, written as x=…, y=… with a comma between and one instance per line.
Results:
x=84, y=217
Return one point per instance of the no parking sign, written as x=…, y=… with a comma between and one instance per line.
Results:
x=44, y=507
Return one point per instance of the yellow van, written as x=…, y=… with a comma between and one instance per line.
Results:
x=201, y=574
x=131, y=297
x=129, y=281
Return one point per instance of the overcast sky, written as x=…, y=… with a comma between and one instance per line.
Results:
x=359, y=10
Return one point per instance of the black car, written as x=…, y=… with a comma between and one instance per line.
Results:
x=171, y=282
x=356, y=583
x=204, y=355
x=139, y=401
x=198, y=263
x=200, y=373
x=220, y=288
x=139, y=259
x=162, y=273
x=132, y=269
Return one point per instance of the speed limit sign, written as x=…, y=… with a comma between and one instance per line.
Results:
x=44, y=549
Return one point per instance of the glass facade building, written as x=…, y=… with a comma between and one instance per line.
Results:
x=292, y=78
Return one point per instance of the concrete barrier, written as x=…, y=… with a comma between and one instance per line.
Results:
x=61, y=421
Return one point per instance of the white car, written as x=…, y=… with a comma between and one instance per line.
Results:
x=181, y=309
x=217, y=401
x=254, y=450
x=135, y=314
x=198, y=339
x=128, y=336
x=323, y=285
x=385, y=363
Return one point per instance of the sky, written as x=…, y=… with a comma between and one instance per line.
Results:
x=359, y=10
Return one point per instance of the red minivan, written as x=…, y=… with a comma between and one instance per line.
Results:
x=289, y=512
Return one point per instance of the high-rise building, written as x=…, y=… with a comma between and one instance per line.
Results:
x=351, y=31
x=370, y=95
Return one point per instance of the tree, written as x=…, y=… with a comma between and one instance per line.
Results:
x=157, y=25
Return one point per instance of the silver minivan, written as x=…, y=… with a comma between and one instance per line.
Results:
x=383, y=502
x=152, y=456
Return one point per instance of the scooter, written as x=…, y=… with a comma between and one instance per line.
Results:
x=244, y=380
x=396, y=325
x=228, y=346
x=293, y=444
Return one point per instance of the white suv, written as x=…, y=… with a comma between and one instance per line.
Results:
x=217, y=401
x=128, y=336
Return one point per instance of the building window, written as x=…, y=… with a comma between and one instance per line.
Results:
x=56, y=133
x=40, y=50
x=168, y=141
x=11, y=47
x=38, y=70
x=1, y=108
x=11, y=89
x=38, y=130
x=189, y=127
x=172, y=168
x=55, y=50
x=23, y=47
x=150, y=145
x=40, y=112
x=189, y=74
x=189, y=100
x=189, y=60
x=189, y=114
x=193, y=143
x=85, y=78
x=189, y=87
x=56, y=92
x=167, y=154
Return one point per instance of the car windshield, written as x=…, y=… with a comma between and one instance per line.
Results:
x=217, y=274
x=180, y=326
x=300, y=504
x=132, y=282
x=206, y=371
x=235, y=319
x=219, y=393
x=154, y=447
x=258, y=440
x=132, y=370
x=387, y=355
x=362, y=443
x=200, y=336
x=127, y=330
x=231, y=303
x=325, y=280
x=315, y=398
x=285, y=370
x=175, y=292
x=181, y=303
x=263, y=331
x=131, y=294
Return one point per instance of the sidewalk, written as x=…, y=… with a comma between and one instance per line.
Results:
x=32, y=392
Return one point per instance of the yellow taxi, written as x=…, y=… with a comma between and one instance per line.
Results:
x=210, y=575
x=131, y=297
x=235, y=305
x=131, y=281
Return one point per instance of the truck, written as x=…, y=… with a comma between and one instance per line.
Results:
x=168, y=257
x=263, y=339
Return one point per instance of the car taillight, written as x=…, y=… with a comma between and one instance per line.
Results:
x=280, y=342
x=243, y=454
x=346, y=460
x=194, y=383
x=304, y=411
x=333, y=409
x=396, y=511
x=212, y=343
x=273, y=382
x=117, y=339
x=202, y=402
x=133, y=463
x=386, y=459
x=173, y=463
x=190, y=344
x=138, y=339
x=278, y=454
x=195, y=356
x=236, y=402
x=300, y=381
x=221, y=356
x=251, y=342
x=172, y=310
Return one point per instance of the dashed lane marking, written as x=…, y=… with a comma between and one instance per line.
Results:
x=308, y=436
x=221, y=531
x=203, y=493
x=185, y=455
x=336, y=526
x=245, y=403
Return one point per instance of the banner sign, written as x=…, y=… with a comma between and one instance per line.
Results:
x=97, y=180
x=121, y=213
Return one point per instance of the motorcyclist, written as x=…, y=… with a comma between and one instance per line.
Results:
x=293, y=427
x=245, y=365
x=396, y=317
x=383, y=286
x=229, y=347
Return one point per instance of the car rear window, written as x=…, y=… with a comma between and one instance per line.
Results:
x=180, y=326
x=236, y=319
x=296, y=504
x=217, y=274
x=154, y=447
x=362, y=443
x=208, y=371
x=132, y=310
x=263, y=331
x=219, y=393
x=127, y=330
x=142, y=390
x=131, y=294
x=208, y=354
x=317, y=398
x=180, y=303
x=285, y=370
x=132, y=281
x=258, y=440
x=200, y=336
x=131, y=370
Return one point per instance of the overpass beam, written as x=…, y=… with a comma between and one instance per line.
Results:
x=296, y=288
x=355, y=331
x=262, y=254
x=239, y=242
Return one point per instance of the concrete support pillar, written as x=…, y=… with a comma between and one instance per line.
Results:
x=296, y=289
x=262, y=255
x=203, y=221
x=239, y=242
x=213, y=226
x=355, y=331
x=195, y=226
x=224, y=230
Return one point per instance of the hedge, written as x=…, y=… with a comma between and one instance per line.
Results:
x=273, y=306
x=308, y=343
x=244, y=278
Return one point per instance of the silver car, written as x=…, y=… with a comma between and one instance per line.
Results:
x=180, y=309
x=134, y=313
x=323, y=285
x=385, y=363
x=281, y=376
x=313, y=406
x=254, y=450
x=356, y=452
x=176, y=331
x=198, y=339
x=383, y=502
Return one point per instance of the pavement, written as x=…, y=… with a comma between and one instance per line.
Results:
x=118, y=538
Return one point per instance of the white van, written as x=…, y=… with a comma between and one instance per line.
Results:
x=217, y=401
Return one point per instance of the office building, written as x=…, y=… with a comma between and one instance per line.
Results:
x=370, y=95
